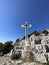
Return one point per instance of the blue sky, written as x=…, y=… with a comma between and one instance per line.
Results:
x=14, y=13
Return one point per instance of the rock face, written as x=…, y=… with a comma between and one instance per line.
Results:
x=41, y=58
x=4, y=59
x=39, y=45
x=32, y=63
x=25, y=52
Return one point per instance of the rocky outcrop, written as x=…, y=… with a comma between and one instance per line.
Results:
x=32, y=63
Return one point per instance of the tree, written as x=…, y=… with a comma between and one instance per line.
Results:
x=1, y=46
x=45, y=32
x=36, y=33
x=7, y=47
x=18, y=40
x=24, y=36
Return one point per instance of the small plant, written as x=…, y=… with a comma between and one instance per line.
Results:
x=15, y=56
x=29, y=59
x=47, y=63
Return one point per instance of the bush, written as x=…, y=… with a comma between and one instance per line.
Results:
x=36, y=33
x=47, y=63
x=1, y=46
x=45, y=32
x=15, y=56
x=30, y=58
x=7, y=47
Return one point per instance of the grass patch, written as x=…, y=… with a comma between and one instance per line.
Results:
x=29, y=59
x=15, y=56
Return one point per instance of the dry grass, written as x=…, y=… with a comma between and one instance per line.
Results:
x=29, y=59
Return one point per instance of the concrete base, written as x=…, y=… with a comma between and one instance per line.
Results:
x=25, y=52
x=28, y=48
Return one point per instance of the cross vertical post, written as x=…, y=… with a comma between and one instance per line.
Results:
x=26, y=26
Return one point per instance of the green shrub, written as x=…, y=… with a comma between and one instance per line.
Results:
x=47, y=63
x=26, y=59
x=15, y=56
x=36, y=33
x=45, y=32
x=29, y=59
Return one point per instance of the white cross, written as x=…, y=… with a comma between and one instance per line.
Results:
x=26, y=26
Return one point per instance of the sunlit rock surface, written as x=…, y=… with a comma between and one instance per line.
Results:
x=39, y=45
